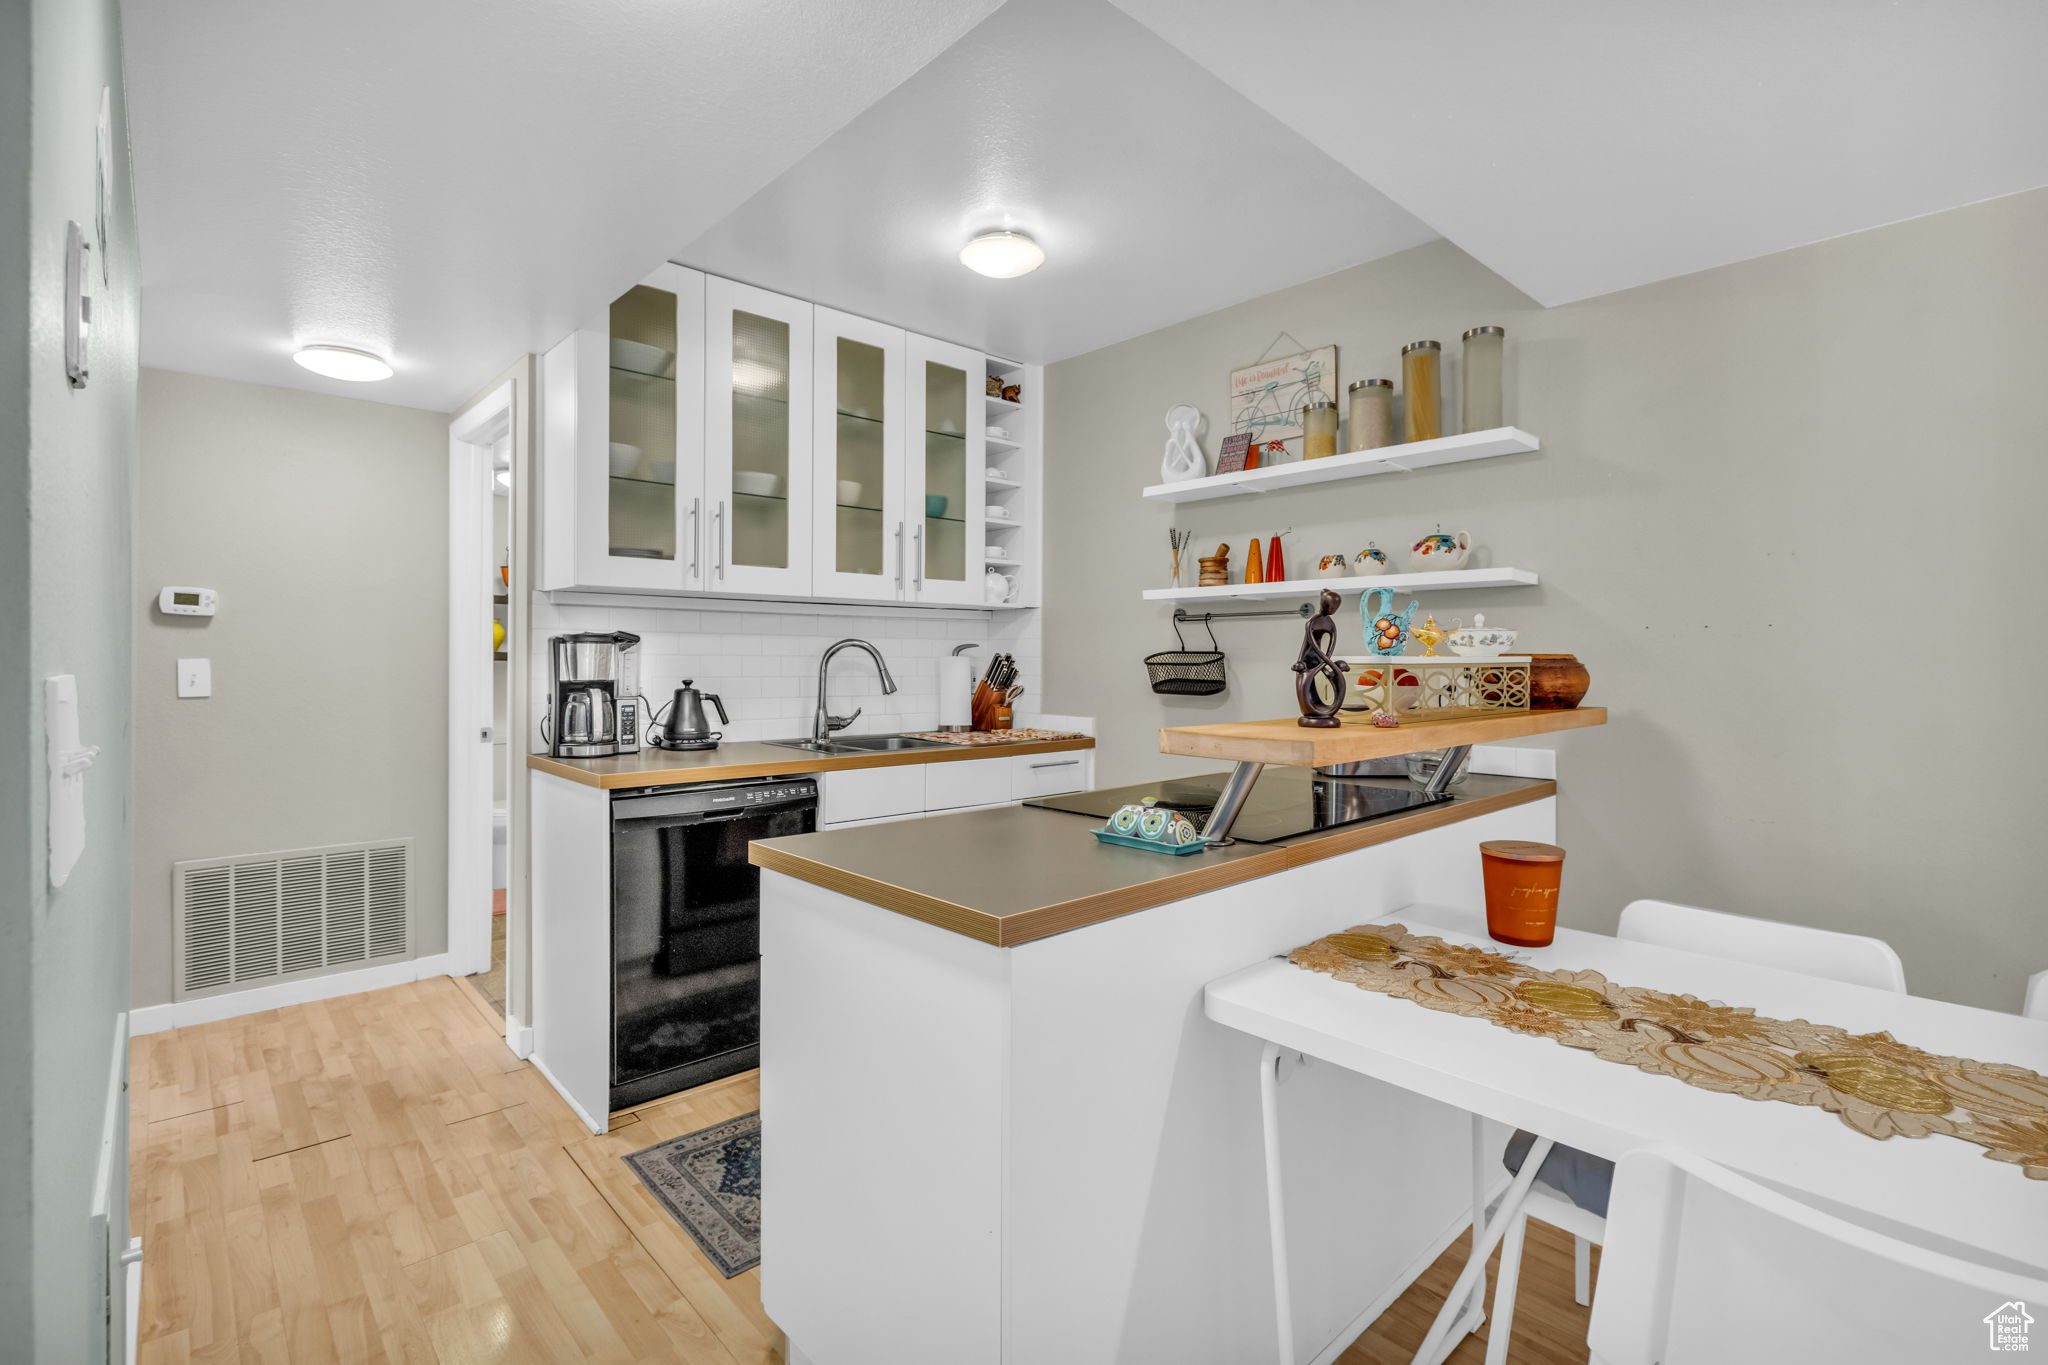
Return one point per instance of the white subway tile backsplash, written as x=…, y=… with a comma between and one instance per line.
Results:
x=764, y=662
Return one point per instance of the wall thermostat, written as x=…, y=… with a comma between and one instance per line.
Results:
x=187, y=601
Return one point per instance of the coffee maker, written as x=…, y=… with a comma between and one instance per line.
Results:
x=593, y=695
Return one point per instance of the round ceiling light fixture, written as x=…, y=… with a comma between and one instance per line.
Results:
x=344, y=362
x=1002, y=255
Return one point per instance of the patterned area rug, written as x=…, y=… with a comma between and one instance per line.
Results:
x=710, y=1182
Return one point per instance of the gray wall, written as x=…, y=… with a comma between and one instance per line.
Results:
x=1784, y=512
x=323, y=523
x=67, y=460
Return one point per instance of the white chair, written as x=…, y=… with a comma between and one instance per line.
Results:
x=2037, y=996
x=1705, y=1267
x=1571, y=1190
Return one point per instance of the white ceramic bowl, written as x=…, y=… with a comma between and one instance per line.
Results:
x=625, y=460
x=1489, y=643
x=849, y=493
x=664, y=471
x=758, y=484
x=641, y=358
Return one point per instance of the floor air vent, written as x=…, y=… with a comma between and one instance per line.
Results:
x=275, y=916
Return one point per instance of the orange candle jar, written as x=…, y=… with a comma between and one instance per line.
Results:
x=1522, y=880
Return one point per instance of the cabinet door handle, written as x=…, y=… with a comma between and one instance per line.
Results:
x=899, y=554
x=1060, y=763
x=718, y=535
x=917, y=559
x=696, y=537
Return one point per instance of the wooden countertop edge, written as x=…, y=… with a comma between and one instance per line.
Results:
x=798, y=762
x=1283, y=742
x=1007, y=931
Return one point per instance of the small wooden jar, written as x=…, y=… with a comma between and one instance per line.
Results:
x=1522, y=882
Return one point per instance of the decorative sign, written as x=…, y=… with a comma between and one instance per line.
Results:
x=1266, y=399
x=1232, y=458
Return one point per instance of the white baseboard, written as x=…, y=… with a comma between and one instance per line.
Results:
x=596, y=1126
x=519, y=1037
x=305, y=990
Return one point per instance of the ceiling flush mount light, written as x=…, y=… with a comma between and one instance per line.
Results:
x=1002, y=255
x=342, y=362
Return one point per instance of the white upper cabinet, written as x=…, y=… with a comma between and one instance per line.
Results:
x=943, y=488
x=623, y=442
x=858, y=424
x=704, y=436
x=758, y=476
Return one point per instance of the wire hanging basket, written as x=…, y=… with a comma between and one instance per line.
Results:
x=1187, y=672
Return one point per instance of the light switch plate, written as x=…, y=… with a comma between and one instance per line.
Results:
x=195, y=677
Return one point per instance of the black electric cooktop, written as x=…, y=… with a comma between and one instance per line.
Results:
x=1284, y=802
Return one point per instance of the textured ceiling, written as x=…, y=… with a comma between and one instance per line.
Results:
x=1585, y=146
x=452, y=184
x=1158, y=191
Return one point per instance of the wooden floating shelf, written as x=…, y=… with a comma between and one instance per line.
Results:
x=1309, y=587
x=1357, y=464
x=1285, y=742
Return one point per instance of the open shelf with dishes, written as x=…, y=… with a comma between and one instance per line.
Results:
x=1447, y=580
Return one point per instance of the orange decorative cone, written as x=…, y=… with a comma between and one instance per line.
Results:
x=1254, y=567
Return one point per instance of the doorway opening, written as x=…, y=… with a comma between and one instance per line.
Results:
x=485, y=701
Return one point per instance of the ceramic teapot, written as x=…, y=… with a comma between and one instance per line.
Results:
x=1439, y=551
x=998, y=587
x=1371, y=561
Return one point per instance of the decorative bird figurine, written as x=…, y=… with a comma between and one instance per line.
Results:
x=1386, y=633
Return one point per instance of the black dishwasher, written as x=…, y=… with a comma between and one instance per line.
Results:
x=686, y=930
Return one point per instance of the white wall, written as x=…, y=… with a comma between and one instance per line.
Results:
x=67, y=476
x=1784, y=513
x=762, y=659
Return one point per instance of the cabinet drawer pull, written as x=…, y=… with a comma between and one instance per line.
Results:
x=1059, y=763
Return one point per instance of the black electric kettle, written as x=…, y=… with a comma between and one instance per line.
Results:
x=686, y=726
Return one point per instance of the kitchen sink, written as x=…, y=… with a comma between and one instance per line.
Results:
x=855, y=744
x=878, y=744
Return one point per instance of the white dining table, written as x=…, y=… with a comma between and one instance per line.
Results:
x=1939, y=1191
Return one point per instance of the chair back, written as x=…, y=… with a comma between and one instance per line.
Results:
x=1705, y=1267
x=2037, y=996
x=1854, y=958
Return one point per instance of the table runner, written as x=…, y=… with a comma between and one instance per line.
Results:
x=1877, y=1085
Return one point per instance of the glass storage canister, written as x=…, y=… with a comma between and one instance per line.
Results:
x=1372, y=413
x=1480, y=399
x=1422, y=410
x=1319, y=430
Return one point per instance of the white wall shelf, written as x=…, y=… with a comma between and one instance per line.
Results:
x=1357, y=464
x=1444, y=581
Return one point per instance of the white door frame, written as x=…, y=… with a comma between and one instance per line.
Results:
x=472, y=436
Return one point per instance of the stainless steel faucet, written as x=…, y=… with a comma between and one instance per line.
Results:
x=826, y=723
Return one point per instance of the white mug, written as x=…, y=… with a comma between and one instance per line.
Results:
x=995, y=513
x=993, y=551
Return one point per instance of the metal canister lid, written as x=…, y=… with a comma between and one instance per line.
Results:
x=1318, y=403
x=1523, y=851
x=1371, y=383
x=1484, y=332
x=1422, y=346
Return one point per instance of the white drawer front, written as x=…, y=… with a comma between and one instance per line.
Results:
x=966, y=782
x=865, y=793
x=878, y=820
x=1050, y=774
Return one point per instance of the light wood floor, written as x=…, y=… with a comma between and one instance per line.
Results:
x=376, y=1178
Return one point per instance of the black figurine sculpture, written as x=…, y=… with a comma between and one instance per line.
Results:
x=1319, y=680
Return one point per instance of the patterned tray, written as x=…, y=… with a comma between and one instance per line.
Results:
x=978, y=737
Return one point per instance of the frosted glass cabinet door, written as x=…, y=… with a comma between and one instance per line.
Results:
x=944, y=492
x=758, y=481
x=859, y=436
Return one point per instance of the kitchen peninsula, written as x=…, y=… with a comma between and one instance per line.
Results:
x=1000, y=1128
